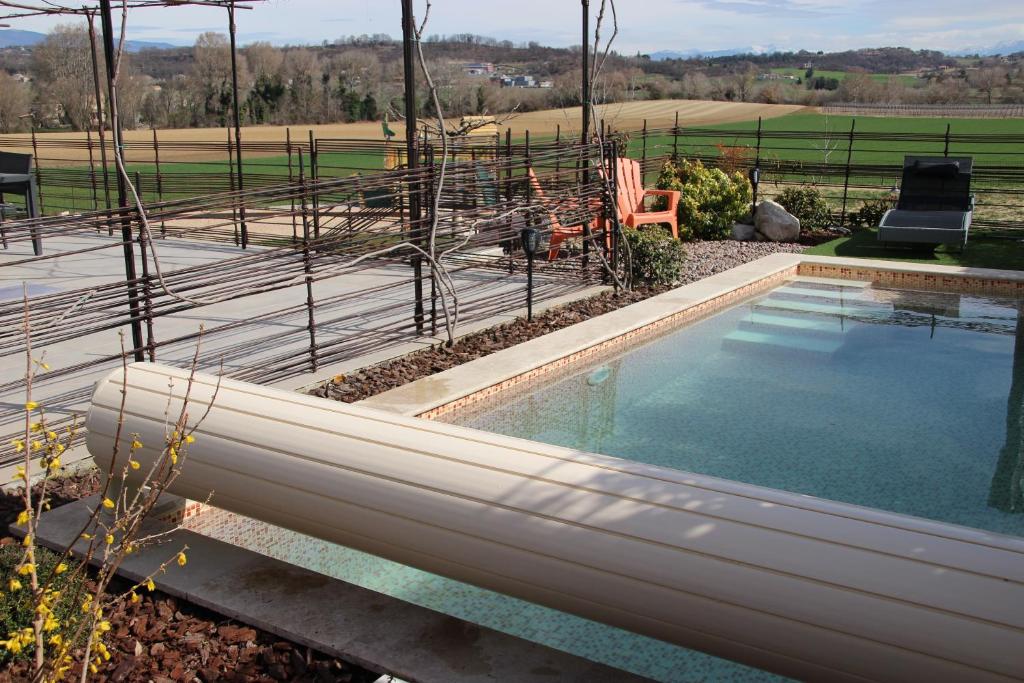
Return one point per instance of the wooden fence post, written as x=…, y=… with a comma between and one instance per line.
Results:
x=159, y=180
x=92, y=171
x=675, y=140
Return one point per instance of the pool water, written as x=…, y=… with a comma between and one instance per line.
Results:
x=911, y=402
x=905, y=401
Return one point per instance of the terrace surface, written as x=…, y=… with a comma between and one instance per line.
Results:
x=244, y=334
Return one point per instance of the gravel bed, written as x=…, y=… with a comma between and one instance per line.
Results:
x=703, y=259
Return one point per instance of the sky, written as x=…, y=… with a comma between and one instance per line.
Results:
x=644, y=25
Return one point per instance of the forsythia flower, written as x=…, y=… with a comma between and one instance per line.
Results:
x=190, y=439
x=26, y=569
x=109, y=539
x=19, y=445
x=134, y=464
x=61, y=568
x=14, y=585
x=103, y=626
x=136, y=444
x=23, y=517
x=149, y=585
x=182, y=559
x=107, y=503
x=31, y=405
x=134, y=597
x=27, y=541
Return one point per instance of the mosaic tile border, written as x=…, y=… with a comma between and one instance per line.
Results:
x=921, y=280
x=453, y=409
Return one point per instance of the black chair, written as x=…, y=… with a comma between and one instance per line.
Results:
x=935, y=204
x=16, y=177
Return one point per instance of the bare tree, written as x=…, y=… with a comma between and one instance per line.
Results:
x=15, y=101
x=62, y=66
x=987, y=80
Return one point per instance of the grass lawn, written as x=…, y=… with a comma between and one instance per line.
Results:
x=1006, y=254
x=837, y=128
x=840, y=75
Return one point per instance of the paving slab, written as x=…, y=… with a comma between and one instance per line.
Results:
x=370, y=629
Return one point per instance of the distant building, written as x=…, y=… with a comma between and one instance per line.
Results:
x=479, y=68
x=518, y=82
x=546, y=84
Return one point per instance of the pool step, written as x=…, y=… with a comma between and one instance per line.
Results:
x=824, y=296
x=776, y=323
x=767, y=341
x=813, y=281
x=862, y=309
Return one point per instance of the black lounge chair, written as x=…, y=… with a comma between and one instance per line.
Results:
x=935, y=204
x=16, y=177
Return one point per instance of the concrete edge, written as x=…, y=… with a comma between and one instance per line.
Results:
x=416, y=398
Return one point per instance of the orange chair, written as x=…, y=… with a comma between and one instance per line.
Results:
x=631, y=195
x=559, y=232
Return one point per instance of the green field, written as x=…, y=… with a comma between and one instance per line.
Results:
x=830, y=146
x=840, y=75
x=834, y=139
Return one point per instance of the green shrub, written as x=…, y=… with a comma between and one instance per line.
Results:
x=16, y=610
x=807, y=204
x=869, y=215
x=656, y=257
x=711, y=200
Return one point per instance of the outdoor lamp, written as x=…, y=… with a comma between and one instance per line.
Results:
x=755, y=177
x=530, y=237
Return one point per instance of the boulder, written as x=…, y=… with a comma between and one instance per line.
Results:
x=775, y=223
x=742, y=232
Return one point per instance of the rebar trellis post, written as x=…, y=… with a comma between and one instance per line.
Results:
x=314, y=175
x=291, y=179
x=122, y=191
x=307, y=266
x=945, y=148
x=232, y=187
x=409, y=67
x=100, y=127
x=846, y=173
x=147, y=298
x=236, y=115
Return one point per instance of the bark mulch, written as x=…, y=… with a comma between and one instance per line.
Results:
x=165, y=640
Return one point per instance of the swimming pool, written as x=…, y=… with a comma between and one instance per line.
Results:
x=902, y=400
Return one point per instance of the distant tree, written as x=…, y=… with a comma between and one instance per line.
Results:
x=809, y=73
x=211, y=79
x=62, y=64
x=987, y=80
x=15, y=101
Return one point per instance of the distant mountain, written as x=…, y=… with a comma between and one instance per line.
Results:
x=1005, y=48
x=728, y=52
x=15, y=38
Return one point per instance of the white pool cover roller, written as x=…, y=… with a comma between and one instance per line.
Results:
x=796, y=585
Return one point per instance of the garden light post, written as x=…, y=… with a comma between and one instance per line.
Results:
x=755, y=177
x=530, y=237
